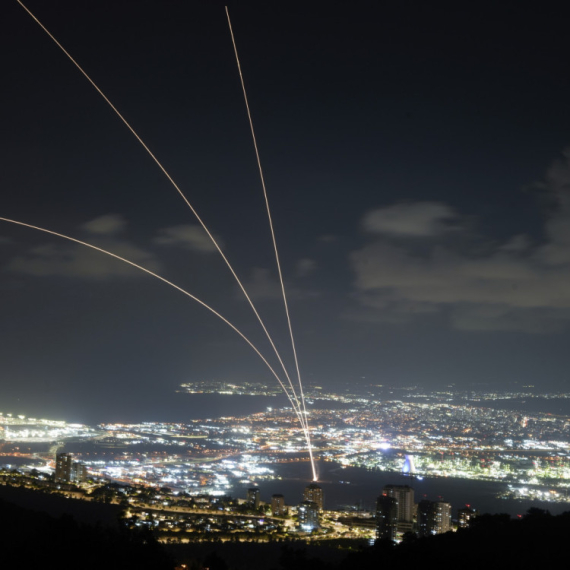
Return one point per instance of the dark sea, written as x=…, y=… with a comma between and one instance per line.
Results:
x=164, y=407
x=171, y=406
x=358, y=487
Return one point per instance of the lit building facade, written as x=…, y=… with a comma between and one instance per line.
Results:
x=465, y=515
x=63, y=464
x=78, y=472
x=386, y=517
x=404, y=496
x=434, y=517
x=314, y=494
x=69, y=471
x=278, y=508
x=253, y=496
x=308, y=515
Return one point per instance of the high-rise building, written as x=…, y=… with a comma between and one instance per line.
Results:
x=465, y=515
x=69, y=471
x=63, y=463
x=424, y=517
x=78, y=472
x=253, y=495
x=314, y=494
x=434, y=517
x=404, y=496
x=441, y=517
x=278, y=506
x=386, y=517
x=308, y=515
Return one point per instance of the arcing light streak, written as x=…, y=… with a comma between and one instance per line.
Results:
x=302, y=417
x=149, y=272
x=307, y=434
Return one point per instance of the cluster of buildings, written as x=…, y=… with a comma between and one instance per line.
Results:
x=184, y=517
x=398, y=514
x=308, y=511
x=69, y=471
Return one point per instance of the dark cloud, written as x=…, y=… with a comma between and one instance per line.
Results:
x=513, y=286
x=263, y=285
x=492, y=317
x=410, y=219
x=557, y=227
x=306, y=267
x=62, y=259
x=188, y=236
x=109, y=224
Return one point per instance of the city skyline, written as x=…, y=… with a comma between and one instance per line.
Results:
x=488, y=450
x=416, y=167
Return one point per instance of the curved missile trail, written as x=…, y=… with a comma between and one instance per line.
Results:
x=307, y=434
x=153, y=274
x=302, y=417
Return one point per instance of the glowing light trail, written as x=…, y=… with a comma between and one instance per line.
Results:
x=306, y=425
x=164, y=280
x=301, y=414
x=302, y=417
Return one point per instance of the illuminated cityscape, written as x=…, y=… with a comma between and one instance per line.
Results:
x=229, y=464
x=343, y=330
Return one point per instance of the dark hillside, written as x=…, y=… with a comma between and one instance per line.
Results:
x=33, y=539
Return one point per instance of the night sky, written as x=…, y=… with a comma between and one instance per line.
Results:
x=417, y=161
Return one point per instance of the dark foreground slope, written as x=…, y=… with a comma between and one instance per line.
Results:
x=91, y=512
x=32, y=539
x=494, y=541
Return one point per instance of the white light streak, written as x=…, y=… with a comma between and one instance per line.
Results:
x=177, y=188
x=299, y=409
x=164, y=280
x=304, y=422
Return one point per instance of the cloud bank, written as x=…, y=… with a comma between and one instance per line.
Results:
x=517, y=285
x=188, y=236
x=412, y=219
x=73, y=260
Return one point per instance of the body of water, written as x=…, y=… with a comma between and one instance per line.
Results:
x=358, y=486
x=165, y=407
x=171, y=406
